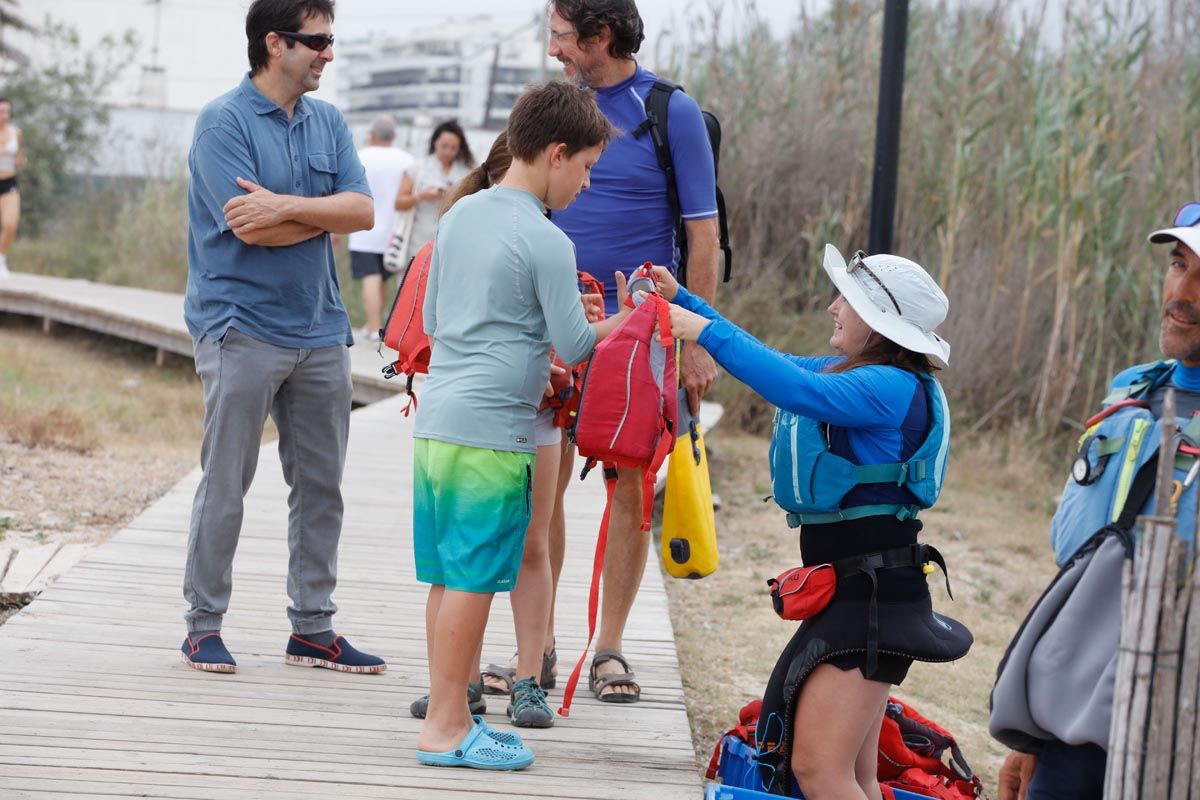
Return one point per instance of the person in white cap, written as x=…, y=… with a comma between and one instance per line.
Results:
x=1059, y=731
x=860, y=446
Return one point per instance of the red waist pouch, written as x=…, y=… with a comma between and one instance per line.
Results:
x=803, y=592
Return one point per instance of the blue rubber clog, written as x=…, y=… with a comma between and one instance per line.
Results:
x=480, y=750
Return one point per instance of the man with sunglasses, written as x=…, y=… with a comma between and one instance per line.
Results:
x=623, y=220
x=1055, y=688
x=273, y=174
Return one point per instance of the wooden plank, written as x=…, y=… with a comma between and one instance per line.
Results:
x=1189, y=693
x=59, y=564
x=1168, y=658
x=25, y=567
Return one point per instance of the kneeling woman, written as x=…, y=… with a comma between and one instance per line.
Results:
x=860, y=446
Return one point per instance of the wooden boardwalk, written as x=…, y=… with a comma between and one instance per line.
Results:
x=94, y=701
x=149, y=317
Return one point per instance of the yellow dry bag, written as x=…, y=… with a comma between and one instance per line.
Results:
x=689, y=529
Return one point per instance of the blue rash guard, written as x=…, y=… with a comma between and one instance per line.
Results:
x=624, y=218
x=1182, y=377
x=876, y=414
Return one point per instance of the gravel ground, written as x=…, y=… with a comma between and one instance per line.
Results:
x=53, y=495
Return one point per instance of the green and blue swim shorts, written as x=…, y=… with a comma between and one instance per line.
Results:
x=470, y=510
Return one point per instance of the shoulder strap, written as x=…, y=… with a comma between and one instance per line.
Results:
x=657, y=102
x=1139, y=493
x=1150, y=378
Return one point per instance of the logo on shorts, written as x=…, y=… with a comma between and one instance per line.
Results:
x=521, y=439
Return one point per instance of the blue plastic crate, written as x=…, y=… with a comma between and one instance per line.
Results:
x=716, y=791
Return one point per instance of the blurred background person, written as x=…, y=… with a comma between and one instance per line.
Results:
x=423, y=189
x=385, y=165
x=11, y=158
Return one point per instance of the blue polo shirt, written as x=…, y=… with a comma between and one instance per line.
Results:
x=286, y=296
x=624, y=218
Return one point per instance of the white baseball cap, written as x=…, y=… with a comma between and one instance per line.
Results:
x=1184, y=228
x=895, y=297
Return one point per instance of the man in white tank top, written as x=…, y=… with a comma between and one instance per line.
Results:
x=385, y=166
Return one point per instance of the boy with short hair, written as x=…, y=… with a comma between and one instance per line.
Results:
x=502, y=288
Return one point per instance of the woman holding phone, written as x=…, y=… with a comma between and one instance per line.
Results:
x=423, y=188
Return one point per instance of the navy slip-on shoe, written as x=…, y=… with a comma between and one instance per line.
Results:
x=206, y=652
x=340, y=656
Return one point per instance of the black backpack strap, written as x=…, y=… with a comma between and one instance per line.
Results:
x=657, y=102
x=723, y=224
x=1139, y=492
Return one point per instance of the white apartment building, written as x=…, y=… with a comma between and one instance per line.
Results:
x=469, y=69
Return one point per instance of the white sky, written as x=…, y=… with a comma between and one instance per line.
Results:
x=202, y=42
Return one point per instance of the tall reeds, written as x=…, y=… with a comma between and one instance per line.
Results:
x=1031, y=172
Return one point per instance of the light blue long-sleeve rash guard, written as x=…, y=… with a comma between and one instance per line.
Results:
x=873, y=403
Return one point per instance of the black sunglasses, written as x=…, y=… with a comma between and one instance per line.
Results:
x=313, y=41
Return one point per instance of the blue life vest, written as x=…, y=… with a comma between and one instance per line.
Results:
x=810, y=481
x=1114, y=449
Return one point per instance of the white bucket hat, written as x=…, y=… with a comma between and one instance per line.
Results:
x=895, y=297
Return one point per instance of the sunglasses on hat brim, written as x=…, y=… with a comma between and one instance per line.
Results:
x=857, y=262
x=313, y=41
x=1187, y=216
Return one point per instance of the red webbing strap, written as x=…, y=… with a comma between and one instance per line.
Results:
x=591, y=285
x=664, y=320
x=666, y=438
x=741, y=731
x=666, y=442
x=412, y=396
x=610, y=485
x=714, y=763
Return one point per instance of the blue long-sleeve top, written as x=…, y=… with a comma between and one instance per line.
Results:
x=877, y=414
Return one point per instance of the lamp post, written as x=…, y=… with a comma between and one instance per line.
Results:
x=887, y=126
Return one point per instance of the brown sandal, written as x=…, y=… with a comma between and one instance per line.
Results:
x=548, y=679
x=598, y=683
x=508, y=675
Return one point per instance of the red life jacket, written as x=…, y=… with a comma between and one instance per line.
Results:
x=568, y=387
x=404, y=330
x=627, y=420
x=911, y=748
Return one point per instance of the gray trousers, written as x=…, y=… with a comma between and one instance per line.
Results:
x=307, y=393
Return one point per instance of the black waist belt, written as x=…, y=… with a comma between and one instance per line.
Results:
x=913, y=555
